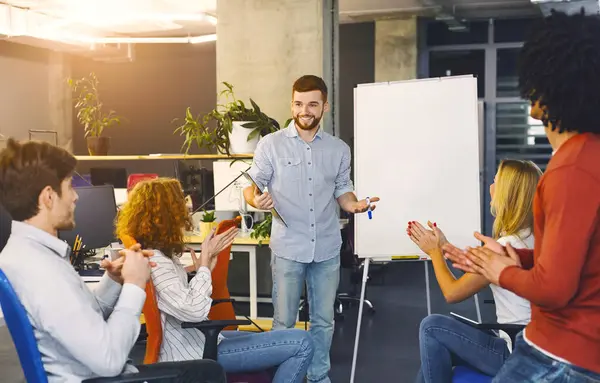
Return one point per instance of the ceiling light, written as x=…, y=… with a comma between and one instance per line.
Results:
x=128, y=40
x=118, y=20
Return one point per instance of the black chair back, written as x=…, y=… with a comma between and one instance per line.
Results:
x=5, y=224
x=348, y=260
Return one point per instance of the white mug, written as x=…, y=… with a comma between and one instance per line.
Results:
x=245, y=229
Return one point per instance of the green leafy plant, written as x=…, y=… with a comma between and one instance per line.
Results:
x=213, y=129
x=262, y=229
x=90, y=111
x=208, y=216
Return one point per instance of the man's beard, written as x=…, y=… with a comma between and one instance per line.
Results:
x=315, y=122
x=67, y=223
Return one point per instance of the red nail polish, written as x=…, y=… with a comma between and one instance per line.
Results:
x=435, y=224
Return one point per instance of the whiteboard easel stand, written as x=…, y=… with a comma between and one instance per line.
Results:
x=361, y=304
x=360, y=312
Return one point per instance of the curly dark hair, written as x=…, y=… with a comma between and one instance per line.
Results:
x=155, y=216
x=559, y=67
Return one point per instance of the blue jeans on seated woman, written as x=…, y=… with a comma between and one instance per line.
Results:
x=291, y=351
x=526, y=364
x=446, y=342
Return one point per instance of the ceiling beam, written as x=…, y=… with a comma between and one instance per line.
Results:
x=446, y=15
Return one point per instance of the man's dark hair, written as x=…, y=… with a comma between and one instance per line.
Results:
x=308, y=83
x=26, y=169
x=559, y=66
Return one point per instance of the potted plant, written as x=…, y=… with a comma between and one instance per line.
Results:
x=262, y=230
x=207, y=223
x=91, y=115
x=230, y=128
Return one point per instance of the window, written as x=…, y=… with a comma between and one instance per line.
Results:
x=439, y=34
x=454, y=63
x=511, y=30
x=518, y=136
x=507, y=80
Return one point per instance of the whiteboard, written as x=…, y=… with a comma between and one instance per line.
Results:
x=416, y=146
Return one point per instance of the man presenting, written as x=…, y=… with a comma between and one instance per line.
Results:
x=307, y=171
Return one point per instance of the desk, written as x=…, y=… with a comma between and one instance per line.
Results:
x=241, y=244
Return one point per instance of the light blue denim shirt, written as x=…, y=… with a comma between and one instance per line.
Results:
x=80, y=334
x=305, y=180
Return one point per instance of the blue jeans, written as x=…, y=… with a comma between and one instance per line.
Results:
x=322, y=279
x=526, y=364
x=291, y=350
x=446, y=342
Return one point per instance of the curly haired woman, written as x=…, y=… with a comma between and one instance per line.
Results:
x=156, y=216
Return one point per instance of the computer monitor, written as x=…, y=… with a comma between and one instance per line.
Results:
x=116, y=177
x=94, y=217
x=5, y=227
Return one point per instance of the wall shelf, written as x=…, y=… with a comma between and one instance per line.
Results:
x=165, y=157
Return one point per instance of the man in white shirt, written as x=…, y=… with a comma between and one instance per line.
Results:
x=80, y=334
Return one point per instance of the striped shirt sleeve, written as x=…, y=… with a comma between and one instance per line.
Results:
x=185, y=302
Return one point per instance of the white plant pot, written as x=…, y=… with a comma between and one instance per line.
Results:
x=238, y=139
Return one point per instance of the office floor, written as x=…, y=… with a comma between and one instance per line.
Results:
x=389, y=340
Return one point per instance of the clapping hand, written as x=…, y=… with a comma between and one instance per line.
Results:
x=459, y=257
x=491, y=264
x=212, y=246
x=427, y=240
x=114, y=268
x=136, y=267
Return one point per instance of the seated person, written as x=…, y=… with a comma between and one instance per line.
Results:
x=80, y=334
x=156, y=215
x=445, y=341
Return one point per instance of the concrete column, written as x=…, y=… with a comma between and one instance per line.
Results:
x=60, y=100
x=396, y=50
x=264, y=45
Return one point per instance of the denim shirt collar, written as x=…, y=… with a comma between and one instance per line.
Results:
x=25, y=230
x=291, y=130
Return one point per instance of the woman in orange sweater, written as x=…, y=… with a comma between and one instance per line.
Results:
x=559, y=74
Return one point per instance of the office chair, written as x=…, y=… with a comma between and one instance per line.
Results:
x=350, y=261
x=219, y=277
x=30, y=358
x=210, y=329
x=136, y=178
x=5, y=227
x=464, y=374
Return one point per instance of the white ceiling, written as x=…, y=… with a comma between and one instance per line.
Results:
x=122, y=17
x=51, y=19
x=117, y=17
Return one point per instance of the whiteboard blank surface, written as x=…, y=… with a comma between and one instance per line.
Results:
x=416, y=146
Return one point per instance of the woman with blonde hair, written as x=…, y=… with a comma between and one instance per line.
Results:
x=446, y=342
x=156, y=216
